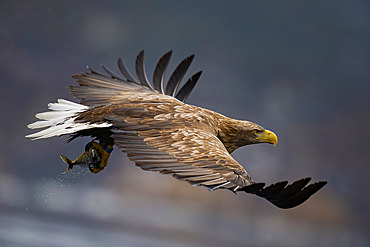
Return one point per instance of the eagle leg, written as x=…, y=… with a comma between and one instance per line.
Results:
x=95, y=157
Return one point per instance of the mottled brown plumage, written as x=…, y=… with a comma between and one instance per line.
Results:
x=161, y=133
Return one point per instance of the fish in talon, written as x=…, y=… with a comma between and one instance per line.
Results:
x=95, y=157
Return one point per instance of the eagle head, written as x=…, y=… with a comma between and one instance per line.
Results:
x=265, y=136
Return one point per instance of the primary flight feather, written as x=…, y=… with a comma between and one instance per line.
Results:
x=159, y=132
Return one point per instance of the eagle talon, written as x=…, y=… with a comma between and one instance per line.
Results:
x=91, y=168
x=95, y=157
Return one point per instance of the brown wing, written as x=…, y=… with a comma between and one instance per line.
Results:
x=96, y=88
x=159, y=132
x=173, y=138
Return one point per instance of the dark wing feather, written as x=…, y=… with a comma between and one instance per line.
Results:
x=140, y=70
x=125, y=72
x=185, y=91
x=158, y=76
x=94, y=72
x=177, y=75
x=284, y=196
x=111, y=73
x=160, y=70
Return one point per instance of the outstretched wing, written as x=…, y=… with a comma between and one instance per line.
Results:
x=162, y=134
x=284, y=196
x=177, y=139
x=157, y=131
x=128, y=82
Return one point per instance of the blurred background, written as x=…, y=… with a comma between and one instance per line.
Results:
x=299, y=68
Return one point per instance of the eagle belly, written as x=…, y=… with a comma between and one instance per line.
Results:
x=60, y=120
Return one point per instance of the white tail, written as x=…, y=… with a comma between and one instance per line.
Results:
x=60, y=120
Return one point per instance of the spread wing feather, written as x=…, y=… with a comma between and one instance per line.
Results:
x=185, y=91
x=111, y=73
x=114, y=80
x=140, y=70
x=159, y=72
x=284, y=196
x=177, y=75
x=124, y=71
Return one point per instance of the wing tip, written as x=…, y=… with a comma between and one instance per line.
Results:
x=157, y=84
x=301, y=196
x=284, y=195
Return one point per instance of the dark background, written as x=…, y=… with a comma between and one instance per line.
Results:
x=299, y=68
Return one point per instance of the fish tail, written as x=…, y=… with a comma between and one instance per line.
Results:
x=68, y=161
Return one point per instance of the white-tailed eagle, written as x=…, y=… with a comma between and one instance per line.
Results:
x=159, y=132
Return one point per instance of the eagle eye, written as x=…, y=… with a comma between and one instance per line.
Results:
x=256, y=131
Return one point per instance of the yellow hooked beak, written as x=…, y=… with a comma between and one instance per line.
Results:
x=267, y=136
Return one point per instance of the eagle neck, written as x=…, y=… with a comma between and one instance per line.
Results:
x=233, y=133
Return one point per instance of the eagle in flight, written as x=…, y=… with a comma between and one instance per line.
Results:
x=159, y=132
